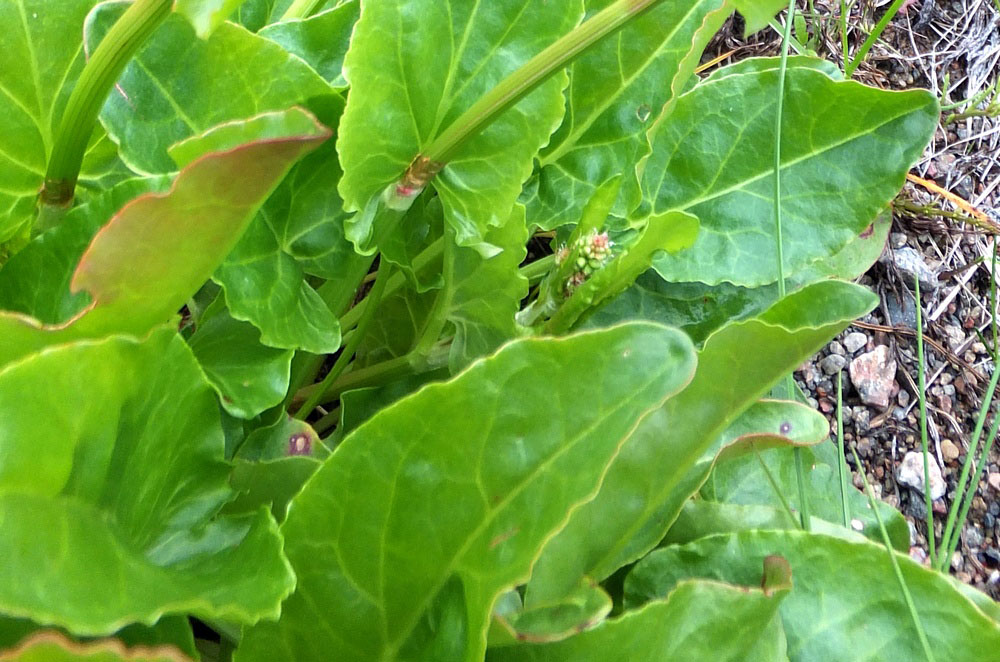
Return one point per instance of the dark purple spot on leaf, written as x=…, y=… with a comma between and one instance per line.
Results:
x=299, y=444
x=785, y=427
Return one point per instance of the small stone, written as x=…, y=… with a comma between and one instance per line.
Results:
x=946, y=378
x=911, y=473
x=973, y=538
x=857, y=525
x=836, y=348
x=911, y=266
x=978, y=348
x=872, y=375
x=854, y=341
x=991, y=557
x=956, y=561
x=918, y=554
x=954, y=336
x=903, y=397
x=897, y=239
x=949, y=451
x=833, y=363
x=994, y=481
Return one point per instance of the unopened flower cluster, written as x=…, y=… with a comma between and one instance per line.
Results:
x=586, y=255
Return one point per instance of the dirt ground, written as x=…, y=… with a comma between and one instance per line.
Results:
x=944, y=228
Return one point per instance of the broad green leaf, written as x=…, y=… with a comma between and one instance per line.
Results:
x=714, y=158
x=176, y=86
x=742, y=481
x=54, y=647
x=659, y=468
x=36, y=280
x=482, y=294
x=700, y=309
x=206, y=15
x=398, y=323
x=617, y=91
x=41, y=58
x=248, y=376
x=298, y=231
x=414, y=67
x=379, y=565
x=581, y=610
x=420, y=235
x=159, y=249
x=127, y=505
x=320, y=40
x=670, y=232
x=698, y=621
x=847, y=604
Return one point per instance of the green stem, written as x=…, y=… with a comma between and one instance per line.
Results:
x=96, y=80
x=921, y=634
x=844, y=46
x=537, y=270
x=875, y=34
x=301, y=9
x=371, y=304
x=967, y=501
x=922, y=399
x=800, y=472
x=774, y=487
x=967, y=465
x=844, y=507
x=529, y=76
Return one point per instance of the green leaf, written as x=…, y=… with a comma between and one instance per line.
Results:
x=36, y=280
x=617, y=91
x=483, y=448
x=698, y=620
x=670, y=453
x=54, y=647
x=271, y=483
x=742, y=481
x=581, y=610
x=757, y=13
x=127, y=504
x=862, y=616
x=298, y=232
x=483, y=294
x=670, y=232
x=700, y=309
x=137, y=283
x=320, y=40
x=714, y=159
x=248, y=376
x=173, y=88
x=286, y=437
x=41, y=59
x=206, y=15
x=414, y=67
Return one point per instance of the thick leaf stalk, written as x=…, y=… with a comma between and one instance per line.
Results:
x=96, y=81
x=520, y=83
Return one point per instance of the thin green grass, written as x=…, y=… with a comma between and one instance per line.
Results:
x=968, y=484
x=845, y=509
x=800, y=472
x=910, y=606
x=875, y=34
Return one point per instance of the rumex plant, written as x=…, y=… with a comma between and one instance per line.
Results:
x=400, y=329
